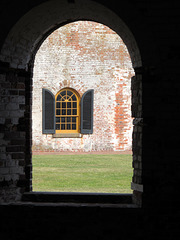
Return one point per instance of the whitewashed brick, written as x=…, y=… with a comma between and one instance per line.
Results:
x=86, y=55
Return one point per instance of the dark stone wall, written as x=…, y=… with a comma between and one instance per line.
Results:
x=156, y=88
x=15, y=134
x=71, y=222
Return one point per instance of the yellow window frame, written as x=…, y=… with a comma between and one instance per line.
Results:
x=67, y=111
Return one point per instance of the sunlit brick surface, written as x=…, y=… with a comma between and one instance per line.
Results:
x=86, y=55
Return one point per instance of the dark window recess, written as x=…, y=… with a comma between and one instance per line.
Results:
x=58, y=105
x=58, y=126
x=74, y=98
x=87, y=112
x=48, y=115
x=57, y=119
x=57, y=112
x=58, y=98
x=74, y=112
x=73, y=119
x=63, y=93
x=69, y=93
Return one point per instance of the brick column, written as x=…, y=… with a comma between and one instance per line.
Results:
x=136, y=185
x=15, y=133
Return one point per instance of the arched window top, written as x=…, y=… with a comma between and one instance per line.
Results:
x=67, y=95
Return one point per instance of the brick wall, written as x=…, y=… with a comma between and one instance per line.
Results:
x=150, y=25
x=14, y=145
x=86, y=55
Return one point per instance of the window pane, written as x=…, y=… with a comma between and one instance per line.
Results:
x=63, y=112
x=74, y=119
x=63, y=93
x=69, y=105
x=74, y=98
x=63, y=119
x=69, y=112
x=62, y=126
x=74, y=104
x=64, y=105
x=57, y=119
x=58, y=105
x=74, y=111
x=57, y=112
x=73, y=126
x=57, y=126
x=58, y=97
x=68, y=119
x=68, y=126
x=69, y=93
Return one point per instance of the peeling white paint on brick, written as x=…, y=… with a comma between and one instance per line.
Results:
x=86, y=55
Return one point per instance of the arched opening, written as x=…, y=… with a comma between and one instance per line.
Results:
x=23, y=42
x=84, y=55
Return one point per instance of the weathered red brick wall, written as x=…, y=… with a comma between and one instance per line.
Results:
x=86, y=55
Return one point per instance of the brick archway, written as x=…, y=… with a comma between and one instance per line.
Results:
x=18, y=52
x=29, y=32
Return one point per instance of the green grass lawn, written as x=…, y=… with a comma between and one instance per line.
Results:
x=82, y=173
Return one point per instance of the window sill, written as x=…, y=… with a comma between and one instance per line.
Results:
x=67, y=135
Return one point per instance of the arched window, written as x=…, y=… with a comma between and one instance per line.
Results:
x=67, y=111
